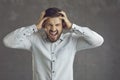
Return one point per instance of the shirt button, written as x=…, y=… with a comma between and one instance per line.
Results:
x=53, y=61
x=53, y=71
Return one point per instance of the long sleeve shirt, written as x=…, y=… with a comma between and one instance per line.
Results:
x=53, y=60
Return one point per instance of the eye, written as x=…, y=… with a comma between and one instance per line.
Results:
x=57, y=24
x=48, y=24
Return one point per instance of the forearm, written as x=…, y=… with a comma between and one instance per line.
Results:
x=20, y=37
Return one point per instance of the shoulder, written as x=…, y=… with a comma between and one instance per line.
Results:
x=35, y=36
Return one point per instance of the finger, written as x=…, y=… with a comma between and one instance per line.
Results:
x=42, y=14
x=63, y=13
x=44, y=19
x=62, y=18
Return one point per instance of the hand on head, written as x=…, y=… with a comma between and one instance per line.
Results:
x=65, y=19
x=41, y=20
x=53, y=12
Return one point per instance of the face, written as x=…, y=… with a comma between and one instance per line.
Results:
x=53, y=28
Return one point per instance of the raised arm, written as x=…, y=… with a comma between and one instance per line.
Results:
x=20, y=38
x=83, y=37
x=86, y=38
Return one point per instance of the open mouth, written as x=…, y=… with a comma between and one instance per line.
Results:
x=53, y=33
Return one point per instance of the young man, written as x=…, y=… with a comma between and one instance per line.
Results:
x=53, y=51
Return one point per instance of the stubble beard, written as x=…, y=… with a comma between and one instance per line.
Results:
x=53, y=38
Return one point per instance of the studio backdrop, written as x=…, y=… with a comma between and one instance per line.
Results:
x=102, y=16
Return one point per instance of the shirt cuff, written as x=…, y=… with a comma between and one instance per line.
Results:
x=33, y=28
x=27, y=31
x=77, y=28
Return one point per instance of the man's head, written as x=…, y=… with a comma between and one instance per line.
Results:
x=53, y=26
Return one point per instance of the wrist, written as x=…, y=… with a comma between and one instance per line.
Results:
x=38, y=26
x=69, y=25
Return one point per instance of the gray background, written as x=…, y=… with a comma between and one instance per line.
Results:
x=103, y=16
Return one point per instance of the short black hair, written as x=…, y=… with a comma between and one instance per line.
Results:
x=53, y=12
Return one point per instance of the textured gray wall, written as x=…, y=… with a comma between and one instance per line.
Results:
x=103, y=16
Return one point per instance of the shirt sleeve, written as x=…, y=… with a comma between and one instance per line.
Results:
x=20, y=37
x=86, y=38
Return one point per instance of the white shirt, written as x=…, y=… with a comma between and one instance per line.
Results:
x=53, y=61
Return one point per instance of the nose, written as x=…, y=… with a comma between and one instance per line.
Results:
x=53, y=28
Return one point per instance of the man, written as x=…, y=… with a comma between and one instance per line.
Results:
x=53, y=50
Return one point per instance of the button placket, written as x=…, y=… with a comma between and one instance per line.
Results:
x=53, y=59
x=53, y=63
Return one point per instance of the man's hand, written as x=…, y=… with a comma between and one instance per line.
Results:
x=41, y=20
x=67, y=22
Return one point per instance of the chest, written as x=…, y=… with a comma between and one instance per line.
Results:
x=59, y=50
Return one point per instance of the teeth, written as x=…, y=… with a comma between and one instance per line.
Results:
x=53, y=33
